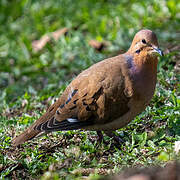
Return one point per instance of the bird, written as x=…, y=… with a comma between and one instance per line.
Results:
x=107, y=95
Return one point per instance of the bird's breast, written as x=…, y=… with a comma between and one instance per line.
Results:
x=144, y=83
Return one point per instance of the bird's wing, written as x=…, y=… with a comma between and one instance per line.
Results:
x=96, y=96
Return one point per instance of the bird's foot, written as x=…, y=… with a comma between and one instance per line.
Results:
x=117, y=139
x=100, y=136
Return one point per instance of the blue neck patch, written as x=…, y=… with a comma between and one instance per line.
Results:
x=130, y=62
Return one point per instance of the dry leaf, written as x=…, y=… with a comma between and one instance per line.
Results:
x=37, y=45
x=97, y=45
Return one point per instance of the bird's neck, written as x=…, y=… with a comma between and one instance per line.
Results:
x=143, y=72
x=146, y=66
x=142, y=65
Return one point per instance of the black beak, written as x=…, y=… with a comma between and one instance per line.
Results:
x=159, y=51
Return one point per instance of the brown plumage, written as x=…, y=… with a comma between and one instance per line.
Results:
x=106, y=96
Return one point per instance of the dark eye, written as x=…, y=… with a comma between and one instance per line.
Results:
x=144, y=41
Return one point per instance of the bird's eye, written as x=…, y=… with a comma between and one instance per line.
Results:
x=144, y=41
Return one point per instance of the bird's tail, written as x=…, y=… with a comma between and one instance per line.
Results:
x=30, y=133
x=25, y=136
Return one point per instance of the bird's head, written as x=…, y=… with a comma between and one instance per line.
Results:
x=145, y=43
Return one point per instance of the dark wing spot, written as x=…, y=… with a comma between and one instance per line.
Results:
x=68, y=100
x=84, y=103
x=74, y=102
x=88, y=109
x=71, y=108
x=74, y=92
x=85, y=95
x=61, y=106
x=58, y=112
x=97, y=94
x=51, y=109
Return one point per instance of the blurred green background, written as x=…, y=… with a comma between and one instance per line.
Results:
x=29, y=80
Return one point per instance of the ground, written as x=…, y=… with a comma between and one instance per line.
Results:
x=31, y=78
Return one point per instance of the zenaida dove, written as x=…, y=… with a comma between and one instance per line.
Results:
x=106, y=96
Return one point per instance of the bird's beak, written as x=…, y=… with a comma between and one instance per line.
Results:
x=156, y=49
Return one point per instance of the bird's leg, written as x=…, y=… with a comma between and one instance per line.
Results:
x=100, y=135
x=111, y=134
x=116, y=138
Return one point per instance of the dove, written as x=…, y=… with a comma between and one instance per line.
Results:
x=107, y=95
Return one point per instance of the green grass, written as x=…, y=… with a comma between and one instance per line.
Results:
x=29, y=81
